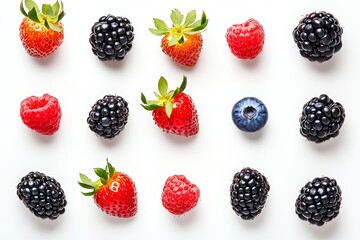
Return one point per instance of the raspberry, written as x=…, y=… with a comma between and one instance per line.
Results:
x=179, y=195
x=246, y=40
x=41, y=114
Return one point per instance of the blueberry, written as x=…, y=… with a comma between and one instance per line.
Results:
x=249, y=114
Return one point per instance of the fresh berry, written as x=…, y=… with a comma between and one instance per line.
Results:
x=179, y=195
x=248, y=193
x=108, y=116
x=174, y=111
x=321, y=119
x=42, y=195
x=42, y=114
x=249, y=114
x=183, y=41
x=246, y=40
x=111, y=38
x=41, y=33
x=114, y=193
x=319, y=201
x=318, y=36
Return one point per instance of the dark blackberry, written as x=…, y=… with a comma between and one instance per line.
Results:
x=321, y=119
x=318, y=36
x=108, y=116
x=111, y=38
x=319, y=201
x=42, y=194
x=248, y=193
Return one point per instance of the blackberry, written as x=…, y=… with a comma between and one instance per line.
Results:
x=111, y=38
x=319, y=201
x=42, y=194
x=108, y=116
x=318, y=36
x=321, y=119
x=248, y=193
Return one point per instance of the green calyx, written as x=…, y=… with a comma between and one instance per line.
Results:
x=103, y=174
x=48, y=16
x=180, y=27
x=164, y=98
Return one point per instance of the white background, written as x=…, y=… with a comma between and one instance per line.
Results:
x=280, y=77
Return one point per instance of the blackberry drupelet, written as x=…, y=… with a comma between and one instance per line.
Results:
x=321, y=119
x=108, y=116
x=111, y=38
x=318, y=36
x=42, y=194
x=248, y=192
x=319, y=201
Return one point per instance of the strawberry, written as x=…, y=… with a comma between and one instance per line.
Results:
x=179, y=195
x=183, y=41
x=41, y=33
x=174, y=111
x=42, y=114
x=246, y=40
x=114, y=193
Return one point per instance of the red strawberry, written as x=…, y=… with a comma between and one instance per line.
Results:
x=42, y=114
x=114, y=193
x=41, y=33
x=246, y=40
x=179, y=195
x=174, y=111
x=183, y=41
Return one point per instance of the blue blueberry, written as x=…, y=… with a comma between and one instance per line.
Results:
x=249, y=114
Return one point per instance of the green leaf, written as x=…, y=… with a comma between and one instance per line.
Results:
x=54, y=27
x=204, y=22
x=168, y=108
x=46, y=23
x=61, y=15
x=157, y=95
x=176, y=17
x=175, y=39
x=183, y=84
x=190, y=18
x=163, y=86
x=31, y=4
x=151, y=107
x=110, y=168
x=161, y=25
x=195, y=24
x=103, y=181
x=47, y=10
x=88, y=193
x=56, y=8
x=85, y=179
x=101, y=173
x=143, y=98
x=157, y=32
x=84, y=185
x=33, y=15
x=22, y=10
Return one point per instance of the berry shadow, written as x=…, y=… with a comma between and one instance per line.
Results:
x=327, y=66
x=325, y=231
x=329, y=145
x=179, y=139
x=251, y=63
x=45, y=225
x=253, y=136
x=114, y=65
x=186, y=219
x=111, y=142
x=44, y=139
x=117, y=220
